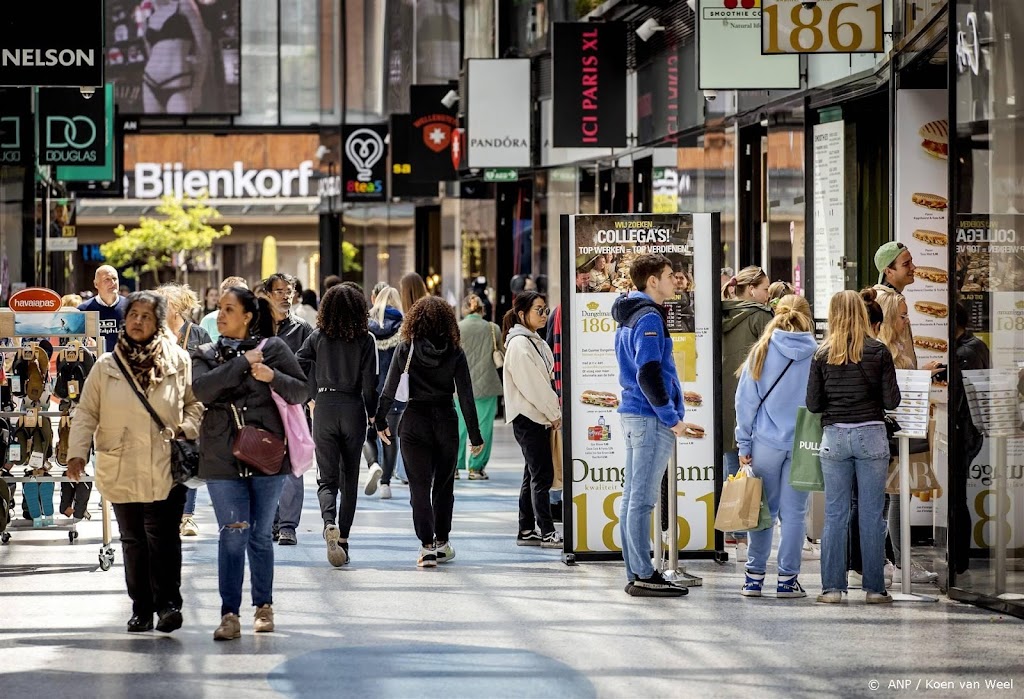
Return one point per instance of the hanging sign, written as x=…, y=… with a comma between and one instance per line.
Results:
x=589, y=84
x=34, y=299
x=46, y=45
x=824, y=26
x=72, y=127
x=598, y=251
x=729, y=50
x=364, y=163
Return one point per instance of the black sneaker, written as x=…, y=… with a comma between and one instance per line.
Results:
x=169, y=620
x=656, y=586
x=532, y=538
x=287, y=538
x=140, y=622
x=629, y=588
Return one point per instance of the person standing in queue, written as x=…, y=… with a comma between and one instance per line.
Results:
x=436, y=367
x=234, y=378
x=340, y=358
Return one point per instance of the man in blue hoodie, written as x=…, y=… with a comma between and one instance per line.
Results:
x=652, y=415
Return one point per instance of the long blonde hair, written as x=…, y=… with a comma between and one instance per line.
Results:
x=746, y=278
x=887, y=334
x=792, y=314
x=382, y=298
x=181, y=299
x=847, y=327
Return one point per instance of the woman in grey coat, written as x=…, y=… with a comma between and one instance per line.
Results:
x=480, y=339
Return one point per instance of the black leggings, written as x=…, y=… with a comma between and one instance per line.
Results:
x=430, y=447
x=535, y=493
x=339, y=428
x=387, y=455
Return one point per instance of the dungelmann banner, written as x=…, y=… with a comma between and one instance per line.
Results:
x=72, y=129
x=589, y=85
x=52, y=44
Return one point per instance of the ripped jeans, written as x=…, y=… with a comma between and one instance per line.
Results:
x=245, y=510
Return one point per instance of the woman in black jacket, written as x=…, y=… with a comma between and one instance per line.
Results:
x=851, y=385
x=429, y=431
x=233, y=378
x=340, y=357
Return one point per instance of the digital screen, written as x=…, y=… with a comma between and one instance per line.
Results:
x=174, y=57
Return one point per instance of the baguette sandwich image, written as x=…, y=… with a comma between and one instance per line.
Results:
x=693, y=398
x=603, y=399
x=694, y=431
x=935, y=202
x=936, y=344
x=935, y=135
x=934, y=238
x=932, y=274
x=931, y=308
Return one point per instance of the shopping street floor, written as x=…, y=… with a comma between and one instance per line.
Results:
x=499, y=621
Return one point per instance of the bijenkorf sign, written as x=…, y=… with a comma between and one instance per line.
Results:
x=44, y=45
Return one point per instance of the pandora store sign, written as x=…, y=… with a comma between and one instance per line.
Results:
x=154, y=180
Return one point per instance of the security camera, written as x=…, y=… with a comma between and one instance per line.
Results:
x=87, y=92
x=809, y=4
x=321, y=152
x=648, y=29
x=450, y=98
x=710, y=95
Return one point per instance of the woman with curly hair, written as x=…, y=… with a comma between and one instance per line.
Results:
x=340, y=359
x=432, y=356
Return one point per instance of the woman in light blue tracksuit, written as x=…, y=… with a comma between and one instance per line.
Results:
x=772, y=386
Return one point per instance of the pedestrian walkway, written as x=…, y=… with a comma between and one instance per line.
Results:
x=499, y=621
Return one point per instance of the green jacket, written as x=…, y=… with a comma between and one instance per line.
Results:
x=479, y=338
x=742, y=325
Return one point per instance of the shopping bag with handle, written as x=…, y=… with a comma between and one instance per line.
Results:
x=805, y=468
x=740, y=506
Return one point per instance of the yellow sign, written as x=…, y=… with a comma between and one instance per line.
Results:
x=68, y=231
x=826, y=26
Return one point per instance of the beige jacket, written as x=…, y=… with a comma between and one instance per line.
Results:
x=528, y=367
x=133, y=460
x=908, y=336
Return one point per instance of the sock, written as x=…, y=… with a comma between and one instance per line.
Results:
x=785, y=578
x=755, y=576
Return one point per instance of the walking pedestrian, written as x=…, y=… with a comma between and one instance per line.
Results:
x=340, y=359
x=434, y=367
x=480, y=340
x=385, y=327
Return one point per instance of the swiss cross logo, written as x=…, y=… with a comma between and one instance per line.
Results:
x=437, y=130
x=457, y=138
x=745, y=4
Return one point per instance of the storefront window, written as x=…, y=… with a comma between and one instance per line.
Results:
x=300, y=62
x=259, y=63
x=785, y=203
x=987, y=448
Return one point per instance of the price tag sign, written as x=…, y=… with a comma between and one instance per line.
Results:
x=823, y=26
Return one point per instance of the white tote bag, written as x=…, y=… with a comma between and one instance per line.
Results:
x=402, y=392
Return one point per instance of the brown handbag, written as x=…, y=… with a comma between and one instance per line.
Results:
x=256, y=447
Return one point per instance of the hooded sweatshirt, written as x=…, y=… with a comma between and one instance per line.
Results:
x=742, y=325
x=528, y=369
x=387, y=338
x=774, y=423
x=647, y=369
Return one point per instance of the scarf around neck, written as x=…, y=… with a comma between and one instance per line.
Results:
x=142, y=358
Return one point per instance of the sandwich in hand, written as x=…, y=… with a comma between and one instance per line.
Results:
x=932, y=274
x=936, y=344
x=931, y=308
x=934, y=202
x=934, y=238
x=601, y=398
x=693, y=398
x=936, y=138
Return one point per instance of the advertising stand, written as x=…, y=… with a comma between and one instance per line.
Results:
x=598, y=251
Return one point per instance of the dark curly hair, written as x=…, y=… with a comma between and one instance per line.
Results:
x=433, y=319
x=343, y=314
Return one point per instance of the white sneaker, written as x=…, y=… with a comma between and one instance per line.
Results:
x=385, y=491
x=811, y=551
x=918, y=574
x=889, y=572
x=741, y=552
x=375, y=473
x=854, y=579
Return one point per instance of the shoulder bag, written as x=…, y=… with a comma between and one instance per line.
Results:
x=402, y=392
x=496, y=354
x=184, y=452
x=256, y=447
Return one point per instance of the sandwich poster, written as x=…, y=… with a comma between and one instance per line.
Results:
x=599, y=251
x=921, y=215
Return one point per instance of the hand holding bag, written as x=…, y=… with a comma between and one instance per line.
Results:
x=402, y=392
x=805, y=467
x=184, y=452
x=256, y=447
x=740, y=506
x=496, y=354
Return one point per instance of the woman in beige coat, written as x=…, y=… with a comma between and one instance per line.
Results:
x=133, y=456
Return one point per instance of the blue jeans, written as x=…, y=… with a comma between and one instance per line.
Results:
x=730, y=467
x=250, y=502
x=649, y=446
x=787, y=505
x=190, y=502
x=846, y=451
x=290, y=510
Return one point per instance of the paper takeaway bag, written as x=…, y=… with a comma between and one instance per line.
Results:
x=740, y=507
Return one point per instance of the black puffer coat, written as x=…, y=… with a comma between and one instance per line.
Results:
x=222, y=378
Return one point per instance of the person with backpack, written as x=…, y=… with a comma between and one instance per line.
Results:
x=771, y=389
x=851, y=384
x=340, y=359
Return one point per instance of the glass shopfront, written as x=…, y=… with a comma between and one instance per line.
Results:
x=986, y=487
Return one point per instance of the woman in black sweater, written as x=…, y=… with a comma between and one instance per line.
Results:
x=852, y=383
x=429, y=430
x=340, y=359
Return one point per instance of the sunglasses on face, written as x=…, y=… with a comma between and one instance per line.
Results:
x=543, y=311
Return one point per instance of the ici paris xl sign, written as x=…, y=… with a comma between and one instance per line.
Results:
x=154, y=180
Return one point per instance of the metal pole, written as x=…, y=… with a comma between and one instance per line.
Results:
x=999, y=471
x=905, y=594
x=675, y=573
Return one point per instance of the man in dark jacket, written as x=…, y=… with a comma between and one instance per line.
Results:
x=280, y=289
x=110, y=305
x=652, y=415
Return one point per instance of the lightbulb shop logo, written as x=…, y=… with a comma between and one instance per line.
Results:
x=68, y=138
x=364, y=149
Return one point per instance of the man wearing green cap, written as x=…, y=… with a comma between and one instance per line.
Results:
x=895, y=267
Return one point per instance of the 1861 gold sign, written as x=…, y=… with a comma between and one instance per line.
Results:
x=824, y=26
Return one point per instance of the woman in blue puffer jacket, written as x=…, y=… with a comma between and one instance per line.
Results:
x=385, y=323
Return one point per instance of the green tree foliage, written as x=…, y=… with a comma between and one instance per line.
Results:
x=183, y=228
x=349, y=253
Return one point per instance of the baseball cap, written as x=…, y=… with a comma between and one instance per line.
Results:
x=886, y=255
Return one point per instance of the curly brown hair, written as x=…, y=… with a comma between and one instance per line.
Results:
x=343, y=314
x=431, y=318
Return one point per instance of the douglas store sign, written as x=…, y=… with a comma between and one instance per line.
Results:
x=72, y=128
x=46, y=46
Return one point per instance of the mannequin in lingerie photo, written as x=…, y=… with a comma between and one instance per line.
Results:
x=180, y=50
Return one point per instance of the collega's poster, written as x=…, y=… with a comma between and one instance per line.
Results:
x=600, y=250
